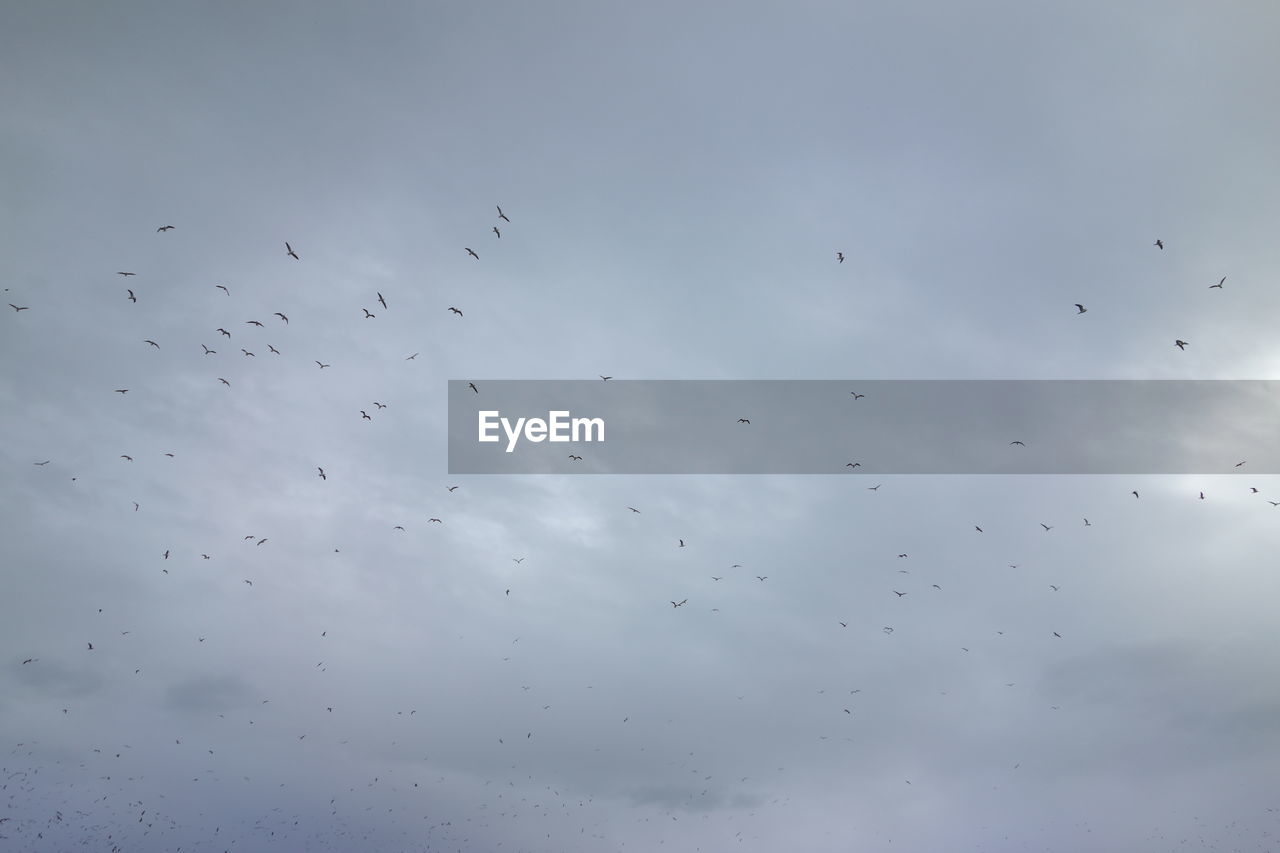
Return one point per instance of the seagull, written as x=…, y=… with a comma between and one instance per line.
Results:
x=875, y=487
x=260, y=541
x=473, y=387
x=840, y=257
x=603, y=377
x=843, y=624
x=1087, y=524
x=1019, y=443
x=856, y=395
x=132, y=298
x=290, y=252
x=496, y=231
x=1045, y=526
x=675, y=604
x=249, y=582
x=208, y=351
x=450, y=488
x=633, y=509
x=1159, y=244
x=517, y=560
x=1134, y=493
x=380, y=405
x=127, y=458
x=252, y=323
x=1180, y=344
x=273, y=349
x=1219, y=284
x=323, y=366
x=224, y=382
x=743, y=421
x=224, y=289
x=1238, y=464
x=899, y=594
x=853, y=464
x=383, y=301
x=19, y=307
x=1052, y=587
x=1080, y=309
x=153, y=343
x=412, y=357
x=126, y=273
x=45, y=462
x=977, y=528
x=1202, y=496
x=761, y=578
x=164, y=228
x=714, y=578
x=681, y=543
x=322, y=476
x=224, y=332
x=246, y=352
x=575, y=458
x=281, y=316
x=472, y=254
x=502, y=215
x=367, y=315
x=364, y=415
x=436, y=520
x=455, y=310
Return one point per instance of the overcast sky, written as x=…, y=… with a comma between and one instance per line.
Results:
x=677, y=180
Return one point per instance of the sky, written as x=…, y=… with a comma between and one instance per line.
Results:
x=205, y=645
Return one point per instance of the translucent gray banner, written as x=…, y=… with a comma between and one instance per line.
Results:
x=870, y=427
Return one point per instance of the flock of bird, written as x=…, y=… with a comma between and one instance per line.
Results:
x=30, y=829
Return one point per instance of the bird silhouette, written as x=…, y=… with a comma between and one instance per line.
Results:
x=473, y=254
x=126, y=273
x=367, y=315
x=322, y=476
x=853, y=464
x=164, y=228
x=1019, y=443
x=224, y=382
x=502, y=215
x=1181, y=344
x=496, y=231
x=677, y=604
x=281, y=316
x=743, y=421
x=126, y=458
x=1159, y=244
x=273, y=349
x=456, y=311
x=19, y=307
x=290, y=252
x=253, y=323
x=132, y=298
x=1219, y=284
x=222, y=331
x=223, y=288
x=153, y=343
x=208, y=351
x=364, y=415
x=840, y=257
x=761, y=578
x=899, y=594
x=1080, y=309
x=856, y=395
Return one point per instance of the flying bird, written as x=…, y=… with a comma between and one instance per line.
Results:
x=223, y=288
x=323, y=366
x=603, y=377
x=496, y=231
x=502, y=215
x=45, y=462
x=164, y=228
x=281, y=316
x=246, y=352
x=677, y=604
x=364, y=415
x=761, y=578
x=1087, y=524
x=1134, y=493
x=1052, y=587
x=436, y=520
x=1238, y=464
x=840, y=257
x=126, y=458
x=575, y=458
x=1181, y=344
x=383, y=406
x=153, y=343
x=224, y=382
x=253, y=323
x=1202, y=496
x=450, y=488
x=472, y=254
x=1219, y=284
x=473, y=387
x=899, y=594
x=412, y=357
x=1019, y=443
x=876, y=487
x=273, y=349
x=260, y=541
x=19, y=307
x=367, y=315
x=132, y=298
x=383, y=301
x=208, y=351
x=126, y=273
x=853, y=464
x=224, y=332
x=714, y=578
x=322, y=476
x=1159, y=244
x=1080, y=309
x=856, y=395
x=743, y=421
x=249, y=582
x=1045, y=526
x=681, y=543
x=290, y=252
